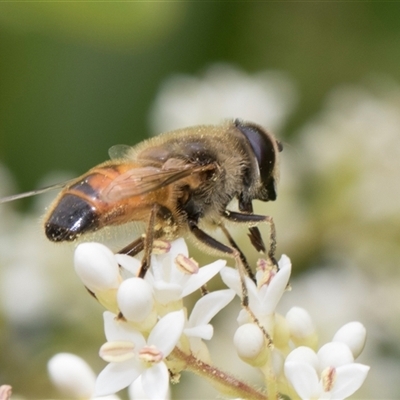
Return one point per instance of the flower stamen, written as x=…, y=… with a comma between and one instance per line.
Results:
x=268, y=272
x=151, y=355
x=161, y=246
x=186, y=265
x=118, y=351
x=328, y=378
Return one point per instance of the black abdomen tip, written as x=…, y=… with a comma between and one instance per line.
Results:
x=70, y=218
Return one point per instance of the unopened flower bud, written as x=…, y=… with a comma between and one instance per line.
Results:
x=281, y=332
x=353, y=335
x=250, y=344
x=301, y=328
x=71, y=375
x=334, y=354
x=135, y=299
x=5, y=392
x=97, y=267
x=303, y=354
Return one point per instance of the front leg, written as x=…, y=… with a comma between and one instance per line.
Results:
x=219, y=247
x=233, y=244
x=254, y=219
x=255, y=236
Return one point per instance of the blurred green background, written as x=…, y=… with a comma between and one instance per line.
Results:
x=77, y=78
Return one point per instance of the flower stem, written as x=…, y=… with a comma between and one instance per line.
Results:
x=224, y=382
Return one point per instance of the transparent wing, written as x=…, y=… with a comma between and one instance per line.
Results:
x=118, y=151
x=139, y=181
x=33, y=192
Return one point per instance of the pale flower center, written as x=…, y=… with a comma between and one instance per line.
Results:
x=150, y=354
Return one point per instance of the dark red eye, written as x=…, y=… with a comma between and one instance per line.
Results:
x=264, y=147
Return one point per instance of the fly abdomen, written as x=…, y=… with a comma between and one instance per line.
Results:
x=72, y=216
x=79, y=208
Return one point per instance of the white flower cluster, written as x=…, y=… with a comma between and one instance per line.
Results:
x=146, y=317
x=151, y=338
x=223, y=92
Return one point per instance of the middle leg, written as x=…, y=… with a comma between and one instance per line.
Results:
x=219, y=247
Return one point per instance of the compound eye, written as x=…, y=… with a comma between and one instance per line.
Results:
x=264, y=147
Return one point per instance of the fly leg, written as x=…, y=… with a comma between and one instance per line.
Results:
x=148, y=242
x=233, y=244
x=255, y=236
x=219, y=247
x=134, y=248
x=144, y=242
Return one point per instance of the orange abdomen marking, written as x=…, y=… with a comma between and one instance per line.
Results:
x=80, y=207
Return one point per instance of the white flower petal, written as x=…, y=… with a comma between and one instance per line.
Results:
x=203, y=276
x=71, y=375
x=135, y=299
x=96, y=266
x=120, y=331
x=353, y=335
x=163, y=265
x=300, y=322
x=136, y=391
x=230, y=276
x=349, y=379
x=201, y=331
x=157, y=268
x=243, y=317
x=111, y=397
x=165, y=292
x=334, y=354
x=303, y=378
x=209, y=305
x=155, y=381
x=277, y=286
x=178, y=246
x=304, y=354
x=117, y=376
x=284, y=262
x=263, y=300
x=130, y=263
x=255, y=297
x=166, y=333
